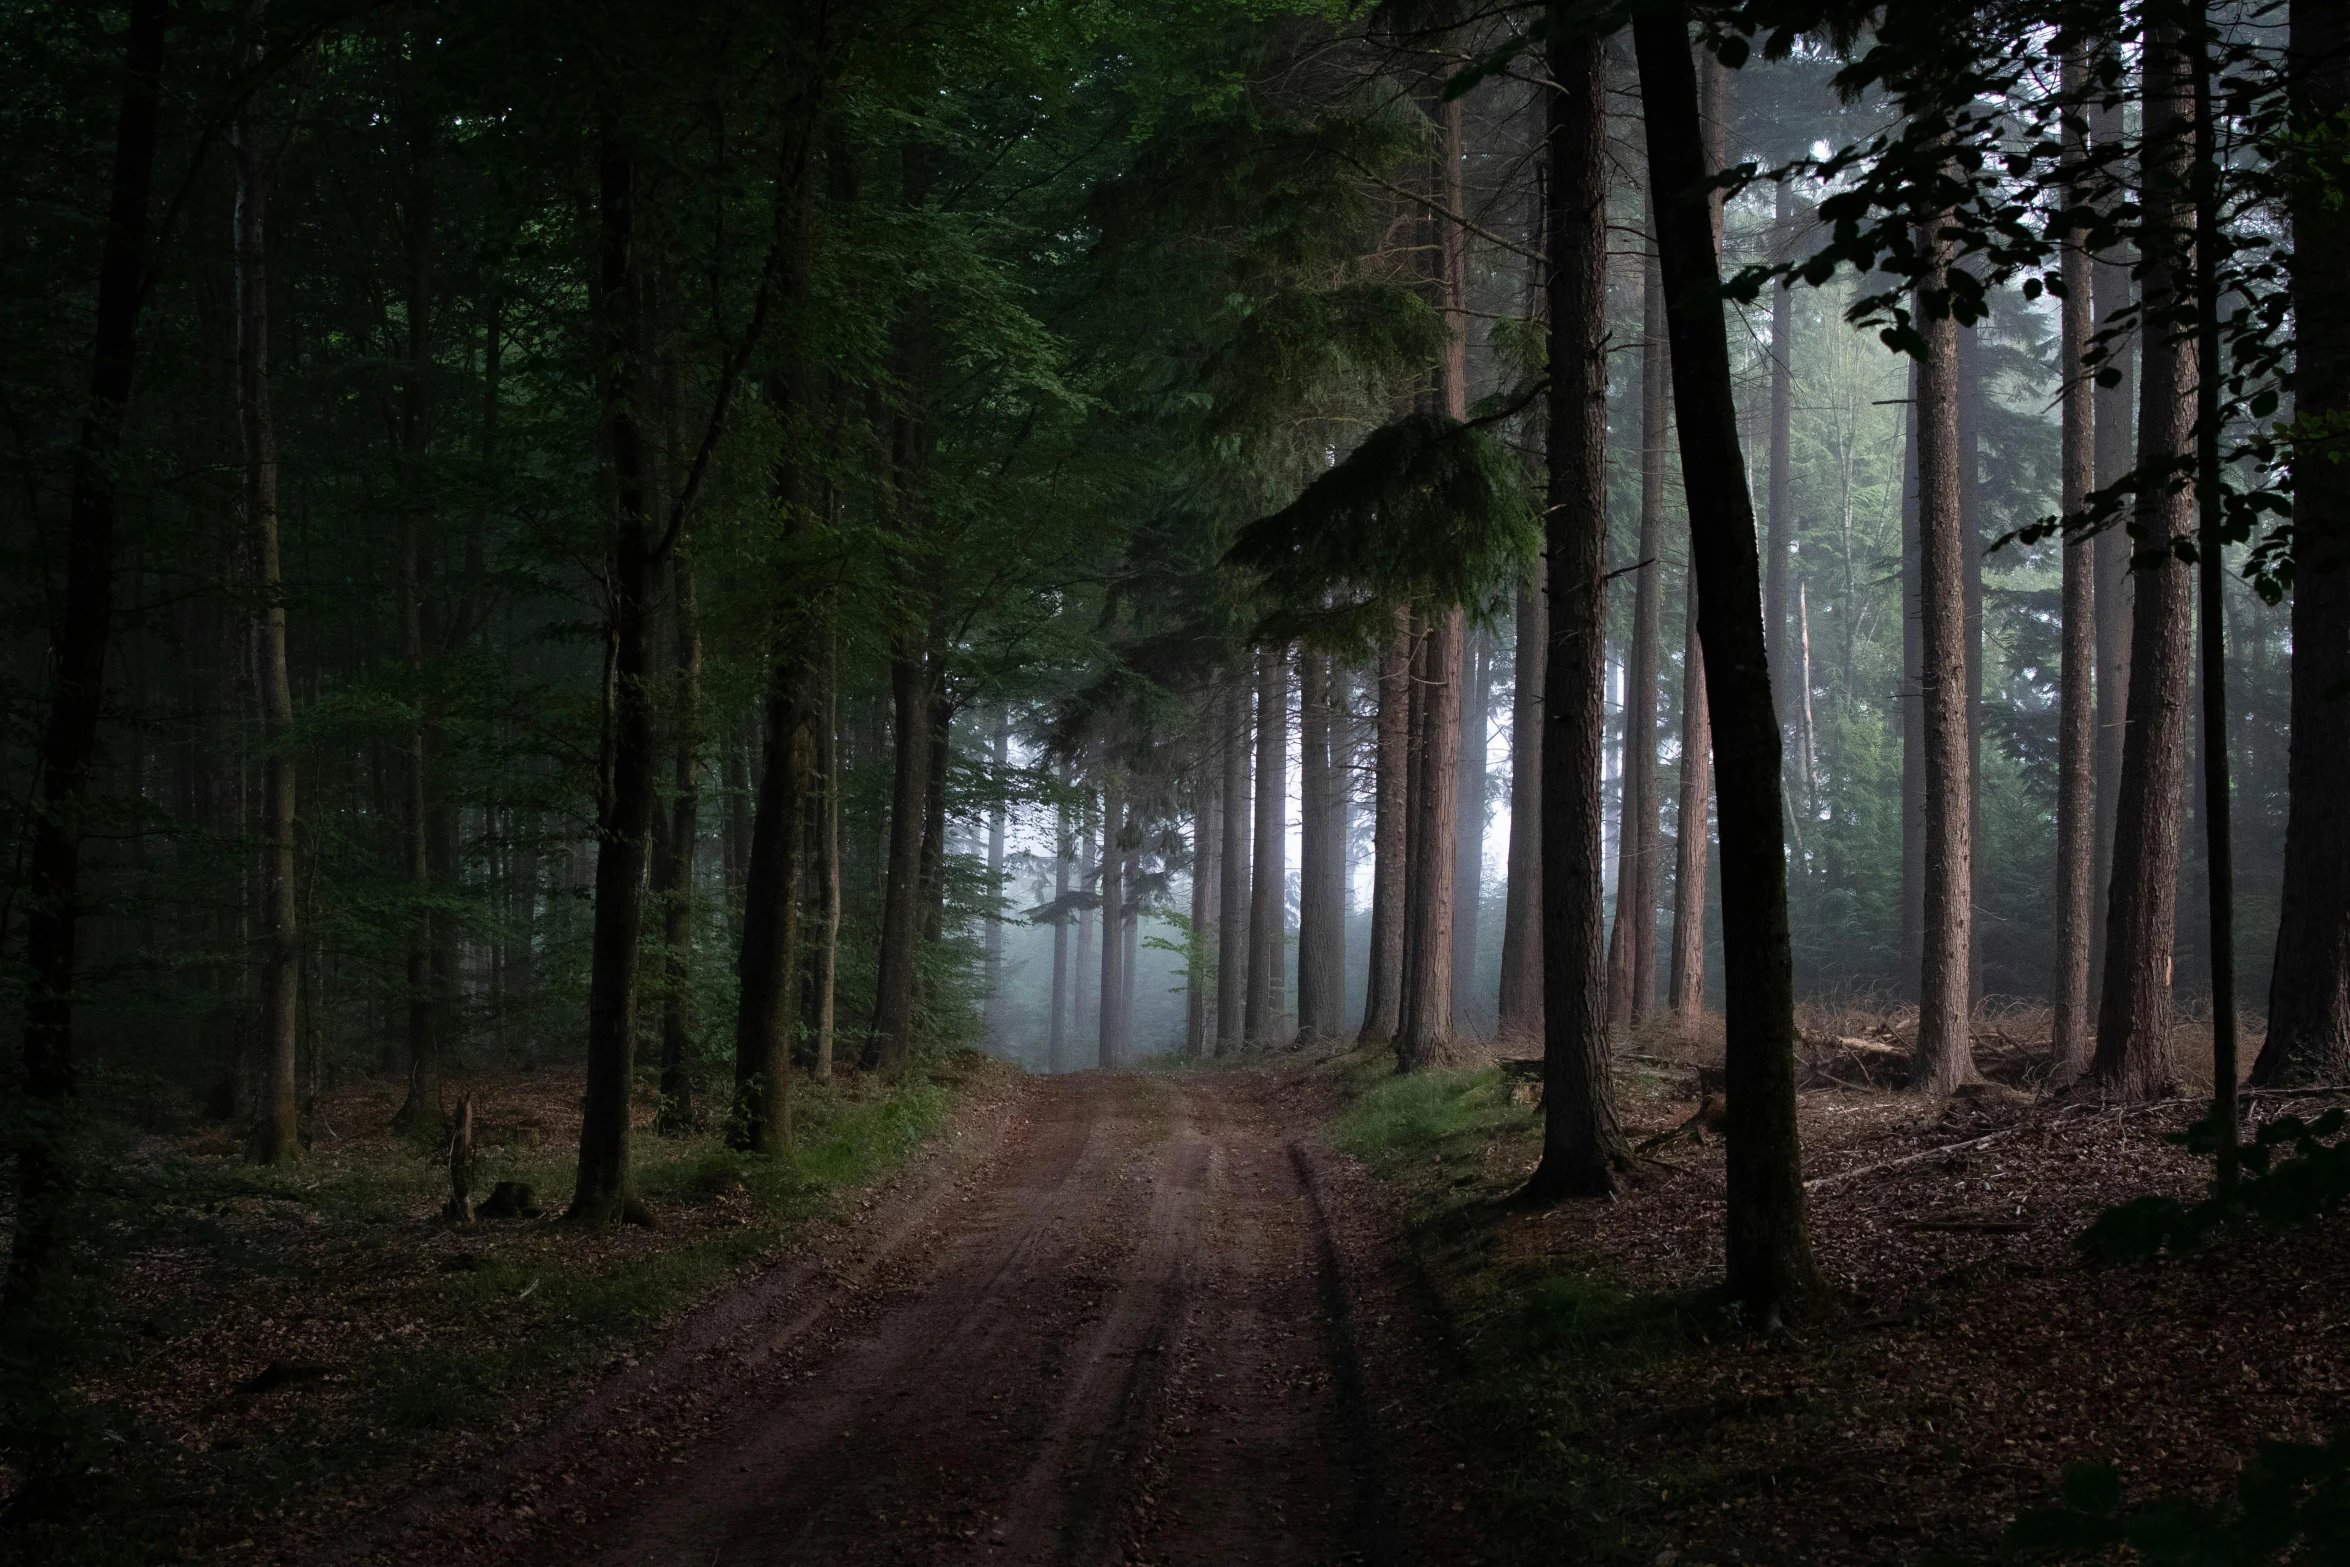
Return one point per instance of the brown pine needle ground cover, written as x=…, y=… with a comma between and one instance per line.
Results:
x=269, y=1345
x=1965, y=1357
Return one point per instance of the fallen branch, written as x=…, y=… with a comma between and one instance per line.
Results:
x=1818, y=1181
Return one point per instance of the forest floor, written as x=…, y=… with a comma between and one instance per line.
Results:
x=1611, y=1412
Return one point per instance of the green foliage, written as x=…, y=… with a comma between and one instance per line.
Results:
x=2292, y=1503
x=1427, y=509
x=2294, y=1172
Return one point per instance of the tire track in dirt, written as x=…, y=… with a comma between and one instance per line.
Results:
x=1112, y=1348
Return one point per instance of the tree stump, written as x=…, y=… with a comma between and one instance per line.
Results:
x=460, y=1208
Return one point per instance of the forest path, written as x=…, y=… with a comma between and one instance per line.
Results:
x=1125, y=1339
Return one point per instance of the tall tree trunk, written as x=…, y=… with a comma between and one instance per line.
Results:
x=602, y=1193
x=276, y=1134
x=78, y=657
x=1520, y=1019
x=901, y=915
x=1632, y=944
x=1582, y=1146
x=423, y=1104
x=1781, y=536
x=1685, y=981
x=1057, y=1031
x=939, y=753
x=2309, y=990
x=1318, y=978
x=1080, y=1020
x=1267, y=908
x=828, y=852
x=1424, y=1031
x=2117, y=584
x=1969, y=361
x=2134, y=1013
x=1913, y=718
x=673, y=857
x=2076, y=724
x=1944, y=1046
x=1113, y=990
x=1768, y=1251
x=1383, y=990
x=1000, y=754
x=1199, y=1001
x=1232, y=927
x=1468, y=1012
x=767, y=1010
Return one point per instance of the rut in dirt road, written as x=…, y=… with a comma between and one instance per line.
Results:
x=1127, y=1342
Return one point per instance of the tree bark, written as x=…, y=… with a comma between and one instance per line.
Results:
x=2309, y=990
x=893, y=1007
x=1944, y=1045
x=1232, y=926
x=1913, y=719
x=1207, y=828
x=1685, y=982
x=1632, y=945
x=423, y=1104
x=673, y=860
x=1383, y=991
x=2076, y=723
x=1113, y=992
x=602, y=1192
x=2134, y=1012
x=1320, y=941
x=1583, y=1148
x=1768, y=1251
x=1781, y=536
x=1468, y=1012
x=1081, y=986
x=828, y=854
x=1267, y=911
x=1520, y=1018
x=1057, y=1036
x=1424, y=1030
x=1000, y=754
x=276, y=1134
x=78, y=657
x=2117, y=585
x=1970, y=532
x=939, y=753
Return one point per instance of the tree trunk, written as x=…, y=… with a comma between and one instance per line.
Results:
x=1913, y=718
x=893, y=1006
x=1781, y=537
x=1000, y=753
x=1057, y=1036
x=2076, y=724
x=1232, y=927
x=1685, y=984
x=2134, y=1013
x=1768, y=1252
x=276, y=1134
x=1944, y=1046
x=2117, y=585
x=1632, y=944
x=828, y=866
x=1520, y=1019
x=767, y=1011
x=1206, y=830
x=673, y=859
x=1113, y=990
x=1970, y=532
x=1424, y=1031
x=1582, y=1146
x=2309, y=990
x=1383, y=991
x=78, y=657
x=601, y=1193
x=1320, y=949
x=423, y=1104
x=1267, y=908
x=1468, y=1012
x=1080, y=1021
x=939, y=753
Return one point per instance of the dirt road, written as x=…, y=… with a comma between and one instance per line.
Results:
x=1122, y=1338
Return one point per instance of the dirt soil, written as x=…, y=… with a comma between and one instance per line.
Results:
x=1121, y=1329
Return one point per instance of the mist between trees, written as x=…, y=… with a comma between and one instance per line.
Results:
x=726, y=545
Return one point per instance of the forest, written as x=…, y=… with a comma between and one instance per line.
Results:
x=1220, y=781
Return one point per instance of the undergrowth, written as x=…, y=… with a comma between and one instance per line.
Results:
x=104, y=1471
